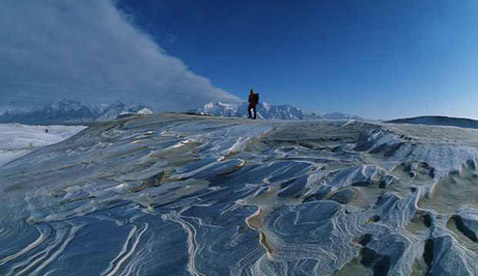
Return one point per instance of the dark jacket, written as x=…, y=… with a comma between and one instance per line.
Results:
x=254, y=98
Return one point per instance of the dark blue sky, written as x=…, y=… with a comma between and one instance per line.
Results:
x=378, y=59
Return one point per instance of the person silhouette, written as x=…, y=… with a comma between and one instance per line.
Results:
x=253, y=101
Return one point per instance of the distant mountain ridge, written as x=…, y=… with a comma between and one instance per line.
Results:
x=76, y=113
x=71, y=112
x=438, y=121
x=266, y=111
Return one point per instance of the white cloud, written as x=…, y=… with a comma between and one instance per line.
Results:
x=87, y=50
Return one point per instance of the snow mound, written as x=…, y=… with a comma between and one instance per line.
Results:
x=145, y=111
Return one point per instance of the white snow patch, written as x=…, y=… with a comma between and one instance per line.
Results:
x=145, y=111
x=17, y=140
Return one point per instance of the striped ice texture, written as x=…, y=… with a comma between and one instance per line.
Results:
x=179, y=194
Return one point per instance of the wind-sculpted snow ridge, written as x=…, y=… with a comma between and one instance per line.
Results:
x=178, y=194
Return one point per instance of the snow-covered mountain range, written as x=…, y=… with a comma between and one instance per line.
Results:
x=266, y=111
x=438, y=121
x=72, y=112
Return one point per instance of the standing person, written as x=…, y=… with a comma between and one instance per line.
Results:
x=253, y=101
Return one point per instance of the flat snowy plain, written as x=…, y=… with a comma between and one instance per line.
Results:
x=176, y=194
x=17, y=140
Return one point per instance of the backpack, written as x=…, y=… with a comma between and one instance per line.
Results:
x=256, y=98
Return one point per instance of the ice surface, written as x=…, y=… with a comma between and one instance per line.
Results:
x=178, y=194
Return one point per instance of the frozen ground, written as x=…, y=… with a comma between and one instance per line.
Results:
x=193, y=195
x=17, y=140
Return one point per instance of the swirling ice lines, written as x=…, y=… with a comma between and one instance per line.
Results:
x=127, y=251
x=192, y=243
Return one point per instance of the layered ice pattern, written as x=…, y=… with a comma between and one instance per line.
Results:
x=191, y=195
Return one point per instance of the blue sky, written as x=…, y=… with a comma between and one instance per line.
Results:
x=377, y=59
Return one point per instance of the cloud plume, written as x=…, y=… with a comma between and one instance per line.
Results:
x=87, y=50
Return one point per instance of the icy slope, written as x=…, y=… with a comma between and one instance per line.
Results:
x=196, y=195
x=17, y=140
